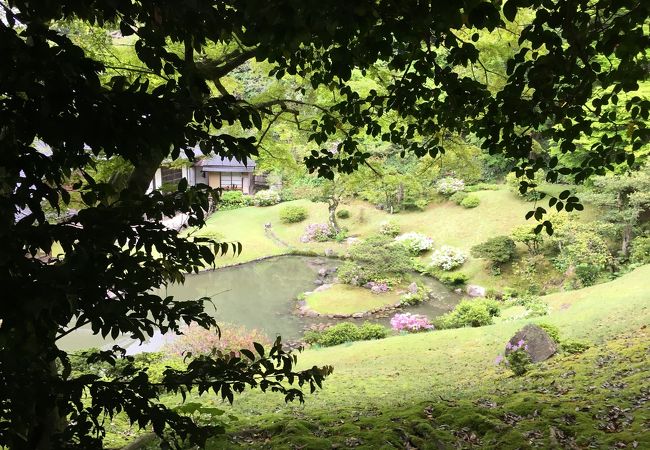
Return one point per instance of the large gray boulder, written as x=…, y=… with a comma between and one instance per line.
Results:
x=474, y=290
x=539, y=344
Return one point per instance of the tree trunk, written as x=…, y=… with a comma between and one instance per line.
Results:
x=332, y=205
x=627, y=238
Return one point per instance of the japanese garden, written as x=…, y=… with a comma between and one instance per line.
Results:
x=325, y=225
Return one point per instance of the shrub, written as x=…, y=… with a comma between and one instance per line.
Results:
x=471, y=201
x=483, y=187
x=527, y=236
x=517, y=357
x=458, y=197
x=342, y=213
x=377, y=287
x=318, y=232
x=448, y=258
x=293, y=214
x=346, y=332
x=370, y=331
x=452, y=279
x=450, y=185
x=535, y=306
x=497, y=250
x=417, y=293
x=198, y=340
x=389, y=228
x=266, y=198
x=233, y=200
x=410, y=322
x=587, y=274
x=574, y=347
x=470, y=313
x=415, y=243
x=374, y=259
x=640, y=253
x=552, y=331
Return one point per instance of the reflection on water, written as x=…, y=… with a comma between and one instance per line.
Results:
x=259, y=295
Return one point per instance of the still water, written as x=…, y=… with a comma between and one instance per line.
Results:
x=258, y=295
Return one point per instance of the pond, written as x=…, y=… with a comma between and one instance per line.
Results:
x=258, y=295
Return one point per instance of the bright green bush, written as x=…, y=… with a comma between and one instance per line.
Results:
x=470, y=313
x=574, y=347
x=346, y=332
x=452, y=279
x=458, y=197
x=342, y=213
x=471, y=201
x=293, y=214
x=551, y=330
x=640, y=250
x=389, y=228
x=233, y=200
x=373, y=259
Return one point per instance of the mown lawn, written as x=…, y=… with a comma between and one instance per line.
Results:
x=443, y=386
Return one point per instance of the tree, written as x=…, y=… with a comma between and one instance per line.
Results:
x=172, y=96
x=497, y=250
x=622, y=198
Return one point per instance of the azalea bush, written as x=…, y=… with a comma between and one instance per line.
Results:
x=266, y=198
x=389, y=228
x=198, y=340
x=448, y=258
x=410, y=322
x=378, y=287
x=450, y=185
x=318, y=232
x=517, y=358
x=415, y=243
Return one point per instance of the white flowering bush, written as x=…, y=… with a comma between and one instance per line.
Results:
x=415, y=243
x=450, y=185
x=448, y=258
x=266, y=198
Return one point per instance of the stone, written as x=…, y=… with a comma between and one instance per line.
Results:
x=474, y=290
x=458, y=291
x=322, y=272
x=323, y=287
x=329, y=252
x=318, y=282
x=358, y=315
x=540, y=345
x=413, y=288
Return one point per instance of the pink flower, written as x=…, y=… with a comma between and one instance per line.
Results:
x=498, y=360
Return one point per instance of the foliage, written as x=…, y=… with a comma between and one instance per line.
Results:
x=640, y=250
x=411, y=323
x=346, y=332
x=415, y=243
x=266, y=198
x=293, y=214
x=483, y=187
x=453, y=278
x=497, y=250
x=552, y=331
x=449, y=186
x=470, y=313
x=228, y=338
x=343, y=213
x=458, y=197
x=417, y=293
x=377, y=287
x=375, y=258
x=527, y=236
x=471, y=201
x=574, y=347
x=318, y=232
x=447, y=258
x=233, y=200
x=389, y=228
x=526, y=187
x=534, y=305
x=517, y=357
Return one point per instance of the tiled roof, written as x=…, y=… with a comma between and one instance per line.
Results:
x=220, y=161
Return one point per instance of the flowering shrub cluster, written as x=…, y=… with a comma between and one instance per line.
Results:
x=389, y=228
x=266, y=198
x=319, y=232
x=415, y=243
x=377, y=287
x=417, y=293
x=450, y=185
x=517, y=357
x=410, y=322
x=198, y=340
x=448, y=258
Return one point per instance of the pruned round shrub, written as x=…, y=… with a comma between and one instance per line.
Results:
x=374, y=259
x=448, y=258
x=471, y=201
x=233, y=200
x=389, y=228
x=342, y=213
x=266, y=198
x=449, y=185
x=293, y=214
x=458, y=197
x=453, y=278
x=346, y=332
x=497, y=250
x=470, y=313
x=318, y=232
x=415, y=243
